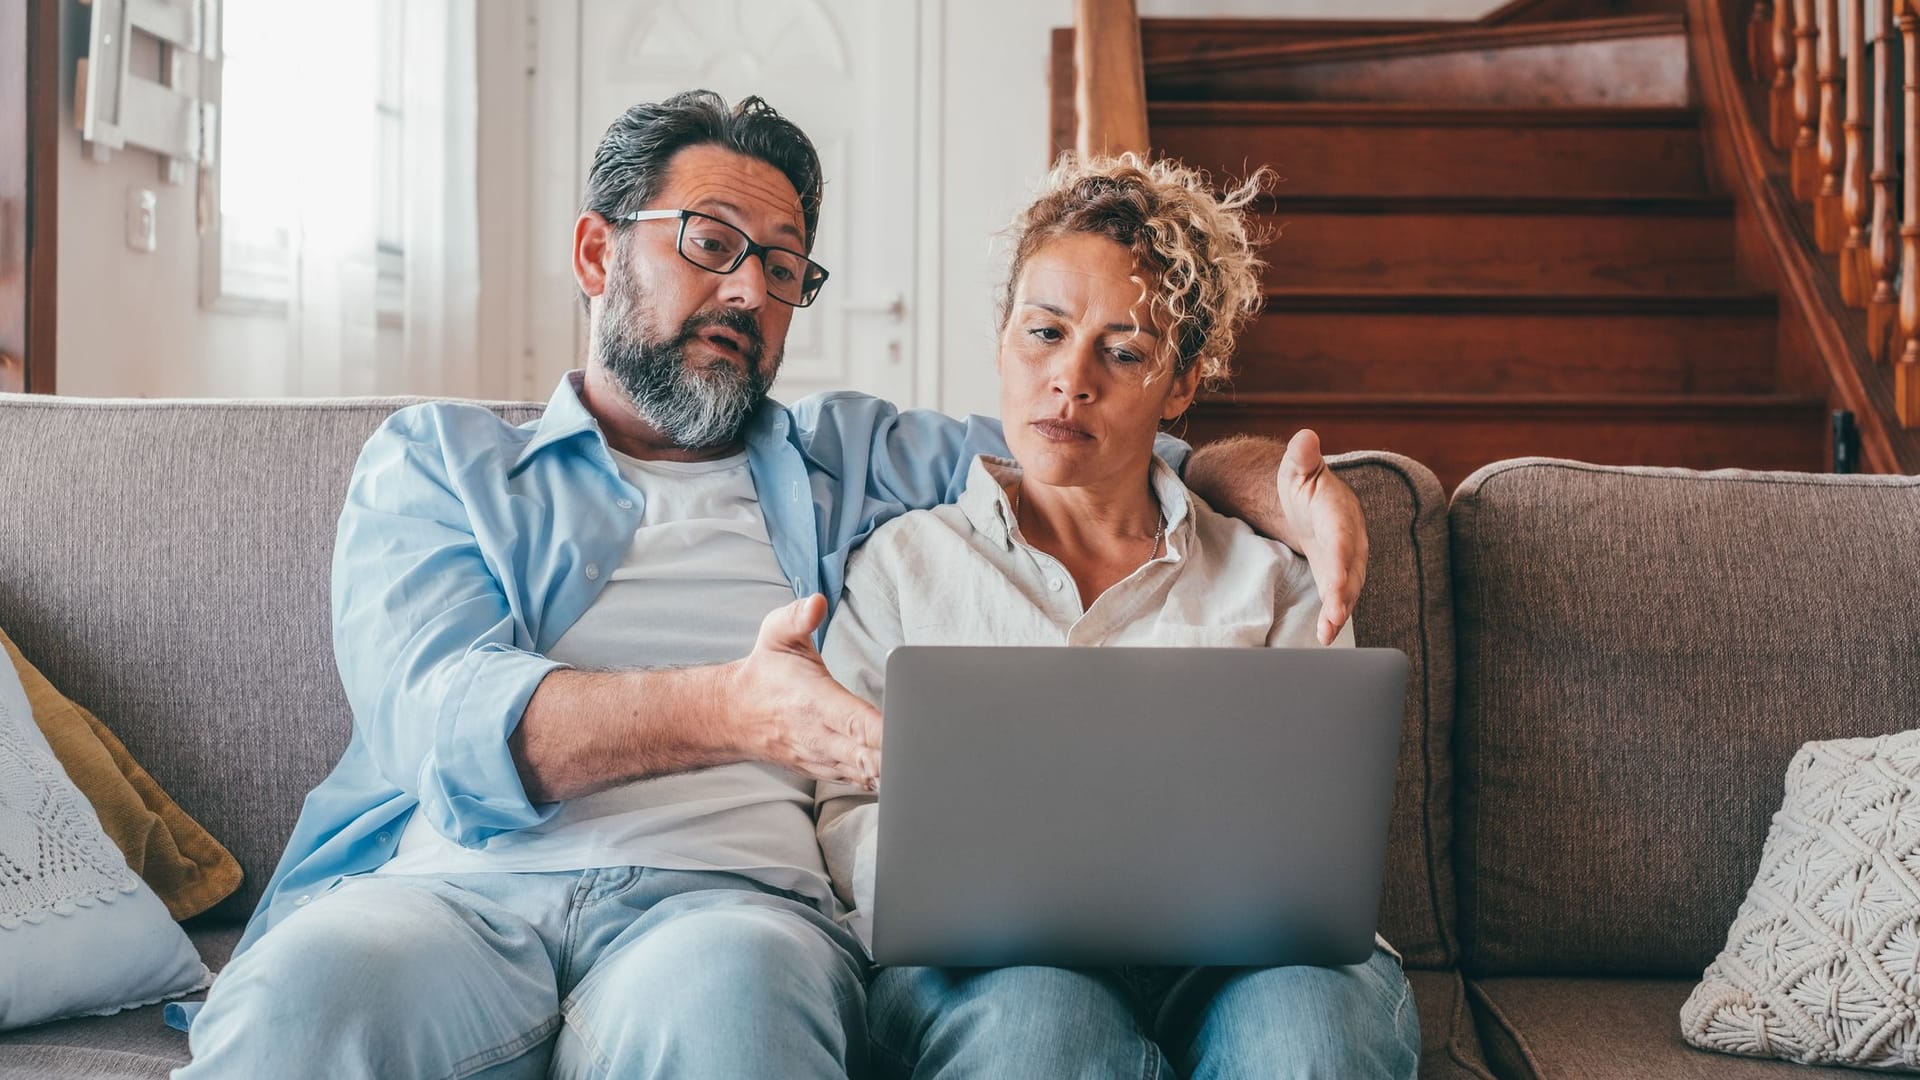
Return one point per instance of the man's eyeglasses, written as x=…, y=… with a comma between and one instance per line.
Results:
x=712, y=244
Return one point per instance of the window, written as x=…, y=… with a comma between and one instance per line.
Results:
x=283, y=108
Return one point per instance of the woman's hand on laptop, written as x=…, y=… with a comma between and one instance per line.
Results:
x=786, y=709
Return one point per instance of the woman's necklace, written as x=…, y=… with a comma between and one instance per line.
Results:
x=1159, y=532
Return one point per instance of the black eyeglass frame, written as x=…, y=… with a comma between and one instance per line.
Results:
x=748, y=247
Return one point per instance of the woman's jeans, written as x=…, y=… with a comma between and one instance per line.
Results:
x=1350, y=1023
x=623, y=971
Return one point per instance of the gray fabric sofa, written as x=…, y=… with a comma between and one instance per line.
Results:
x=1610, y=670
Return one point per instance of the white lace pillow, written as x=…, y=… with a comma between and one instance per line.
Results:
x=80, y=933
x=1822, y=965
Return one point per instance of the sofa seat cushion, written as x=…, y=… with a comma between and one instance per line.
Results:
x=133, y=1044
x=1603, y=1029
x=1449, y=1046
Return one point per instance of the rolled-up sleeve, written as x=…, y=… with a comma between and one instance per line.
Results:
x=436, y=666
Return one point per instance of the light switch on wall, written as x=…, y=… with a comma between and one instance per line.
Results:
x=142, y=207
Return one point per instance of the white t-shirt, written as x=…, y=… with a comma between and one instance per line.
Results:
x=692, y=588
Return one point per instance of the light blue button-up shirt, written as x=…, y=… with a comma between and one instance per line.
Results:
x=467, y=547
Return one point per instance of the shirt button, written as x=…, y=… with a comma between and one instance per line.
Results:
x=381, y=838
x=624, y=504
x=1055, y=585
x=593, y=572
x=303, y=901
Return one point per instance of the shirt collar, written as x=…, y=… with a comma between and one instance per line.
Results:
x=567, y=417
x=990, y=512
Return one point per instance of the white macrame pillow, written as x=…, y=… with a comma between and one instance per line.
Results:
x=1822, y=965
x=80, y=933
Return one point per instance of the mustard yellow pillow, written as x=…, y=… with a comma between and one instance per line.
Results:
x=181, y=861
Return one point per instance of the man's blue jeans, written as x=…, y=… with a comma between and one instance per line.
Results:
x=624, y=971
x=1350, y=1023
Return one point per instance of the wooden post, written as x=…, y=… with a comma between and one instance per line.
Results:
x=1806, y=103
x=1110, y=88
x=1780, y=96
x=1855, y=201
x=1829, y=227
x=1906, y=367
x=1883, y=250
x=1760, y=41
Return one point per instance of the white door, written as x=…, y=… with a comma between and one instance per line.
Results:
x=844, y=71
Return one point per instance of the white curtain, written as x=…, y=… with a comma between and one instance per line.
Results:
x=332, y=318
x=442, y=222
x=351, y=331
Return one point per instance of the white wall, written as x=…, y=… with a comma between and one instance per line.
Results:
x=129, y=323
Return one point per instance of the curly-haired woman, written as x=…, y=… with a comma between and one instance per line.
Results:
x=1129, y=282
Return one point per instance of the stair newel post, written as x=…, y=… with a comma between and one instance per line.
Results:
x=1780, y=96
x=1806, y=103
x=1855, y=202
x=1829, y=227
x=1884, y=234
x=1110, y=93
x=1906, y=365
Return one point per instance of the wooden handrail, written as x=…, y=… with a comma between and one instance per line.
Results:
x=1110, y=90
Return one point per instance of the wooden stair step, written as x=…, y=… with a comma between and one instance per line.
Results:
x=1538, y=245
x=1395, y=343
x=1454, y=435
x=1345, y=149
x=1622, y=60
x=1164, y=39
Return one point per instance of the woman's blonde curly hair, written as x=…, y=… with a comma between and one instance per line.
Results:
x=1194, y=244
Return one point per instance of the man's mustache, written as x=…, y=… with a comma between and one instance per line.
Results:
x=736, y=322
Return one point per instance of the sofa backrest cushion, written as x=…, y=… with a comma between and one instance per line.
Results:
x=1641, y=653
x=1407, y=605
x=166, y=565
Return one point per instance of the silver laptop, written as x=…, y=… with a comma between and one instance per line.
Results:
x=1099, y=806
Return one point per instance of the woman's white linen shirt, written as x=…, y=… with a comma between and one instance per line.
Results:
x=962, y=575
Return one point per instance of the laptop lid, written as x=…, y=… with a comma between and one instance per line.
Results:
x=1081, y=806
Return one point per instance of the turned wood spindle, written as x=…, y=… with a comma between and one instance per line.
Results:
x=1828, y=225
x=1906, y=368
x=1806, y=103
x=1780, y=96
x=1760, y=41
x=1883, y=249
x=1854, y=197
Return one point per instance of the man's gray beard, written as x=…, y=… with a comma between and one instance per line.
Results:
x=693, y=408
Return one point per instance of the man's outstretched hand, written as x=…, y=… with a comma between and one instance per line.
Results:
x=1328, y=528
x=791, y=712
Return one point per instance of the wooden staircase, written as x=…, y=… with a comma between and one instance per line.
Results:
x=1490, y=241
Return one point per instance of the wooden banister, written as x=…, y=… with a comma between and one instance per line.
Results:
x=1827, y=227
x=1806, y=103
x=1780, y=100
x=1826, y=345
x=1855, y=197
x=1110, y=92
x=1883, y=247
x=1906, y=365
